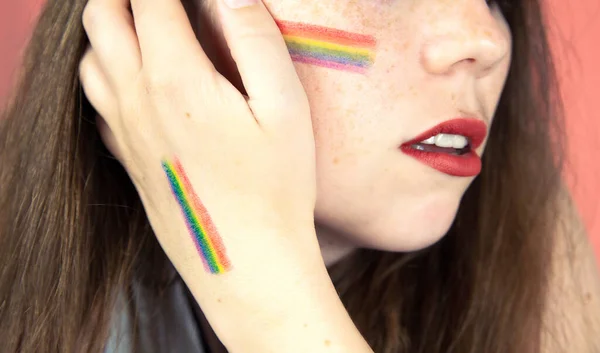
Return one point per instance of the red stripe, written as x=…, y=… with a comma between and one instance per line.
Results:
x=326, y=34
x=207, y=223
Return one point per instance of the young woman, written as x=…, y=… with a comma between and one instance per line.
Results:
x=292, y=176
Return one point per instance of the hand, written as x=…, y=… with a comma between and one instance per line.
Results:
x=250, y=159
x=243, y=166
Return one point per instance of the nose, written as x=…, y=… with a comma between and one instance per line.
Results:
x=471, y=37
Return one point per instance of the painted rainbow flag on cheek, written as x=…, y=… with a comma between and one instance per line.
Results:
x=204, y=233
x=327, y=47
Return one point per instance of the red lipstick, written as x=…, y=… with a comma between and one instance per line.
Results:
x=464, y=162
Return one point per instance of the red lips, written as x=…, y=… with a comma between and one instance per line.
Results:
x=464, y=165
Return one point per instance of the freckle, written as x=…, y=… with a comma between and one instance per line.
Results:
x=187, y=115
x=219, y=300
x=336, y=160
x=327, y=343
x=305, y=325
x=588, y=297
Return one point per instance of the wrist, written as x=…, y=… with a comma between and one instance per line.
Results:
x=334, y=334
x=290, y=305
x=277, y=294
x=310, y=319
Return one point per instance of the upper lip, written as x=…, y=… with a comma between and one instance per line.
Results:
x=474, y=129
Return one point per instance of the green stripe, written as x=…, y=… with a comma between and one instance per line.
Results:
x=298, y=47
x=192, y=219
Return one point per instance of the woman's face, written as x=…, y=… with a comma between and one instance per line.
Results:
x=430, y=61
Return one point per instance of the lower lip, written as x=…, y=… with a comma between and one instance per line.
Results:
x=466, y=165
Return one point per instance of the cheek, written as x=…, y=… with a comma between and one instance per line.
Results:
x=343, y=129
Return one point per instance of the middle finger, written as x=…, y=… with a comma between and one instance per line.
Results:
x=109, y=27
x=166, y=37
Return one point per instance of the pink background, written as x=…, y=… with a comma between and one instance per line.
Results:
x=574, y=33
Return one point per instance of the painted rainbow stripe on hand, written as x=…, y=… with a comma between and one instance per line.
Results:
x=203, y=231
x=327, y=47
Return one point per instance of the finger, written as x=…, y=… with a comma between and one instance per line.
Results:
x=95, y=85
x=262, y=58
x=109, y=26
x=167, y=40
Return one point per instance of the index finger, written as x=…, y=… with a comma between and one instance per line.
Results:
x=167, y=40
x=263, y=61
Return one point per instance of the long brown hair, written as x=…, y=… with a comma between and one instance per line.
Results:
x=73, y=233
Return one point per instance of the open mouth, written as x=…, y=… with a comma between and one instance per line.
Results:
x=450, y=147
x=444, y=143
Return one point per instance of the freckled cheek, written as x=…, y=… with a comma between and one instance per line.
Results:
x=344, y=141
x=342, y=119
x=333, y=133
x=396, y=59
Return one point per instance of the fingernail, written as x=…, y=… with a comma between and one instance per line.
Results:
x=237, y=4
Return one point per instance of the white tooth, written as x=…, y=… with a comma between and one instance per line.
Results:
x=444, y=140
x=429, y=141
x=460, y=142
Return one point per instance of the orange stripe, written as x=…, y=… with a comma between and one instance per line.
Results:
x=326, y=34
x=206, y=222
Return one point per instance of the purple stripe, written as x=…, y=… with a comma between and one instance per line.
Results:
x=328, y=64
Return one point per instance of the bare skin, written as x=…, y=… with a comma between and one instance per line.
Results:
x=454, y=53
x=576, y=285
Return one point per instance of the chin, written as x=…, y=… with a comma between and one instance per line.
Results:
x=415, y=228
x=403, y=228
x=407, y=239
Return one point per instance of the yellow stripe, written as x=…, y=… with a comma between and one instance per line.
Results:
x=328, y=45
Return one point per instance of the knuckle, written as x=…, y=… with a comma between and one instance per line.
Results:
x=161, y=84
x=91, y=16
x=299, y=104
x=285, y=105
x=88, y=72
x=85, y=66
x=279, y=108
x=93, y=87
